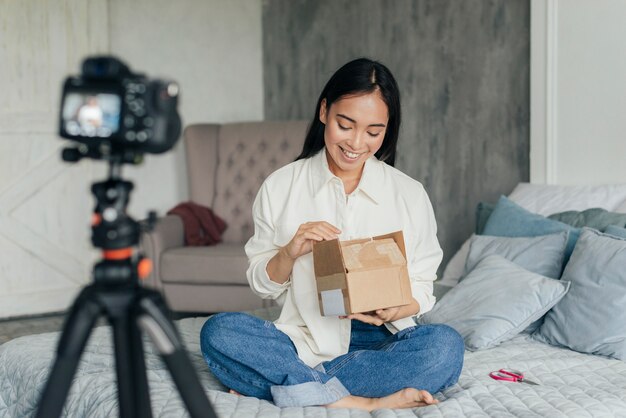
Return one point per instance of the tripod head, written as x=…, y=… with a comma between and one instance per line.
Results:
x=112, y=228
x=117, y=233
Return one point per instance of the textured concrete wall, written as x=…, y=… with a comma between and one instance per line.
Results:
x=463, y=70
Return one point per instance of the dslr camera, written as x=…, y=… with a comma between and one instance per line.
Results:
x=112, y=111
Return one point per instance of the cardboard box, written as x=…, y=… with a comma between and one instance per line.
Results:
x=361, y=275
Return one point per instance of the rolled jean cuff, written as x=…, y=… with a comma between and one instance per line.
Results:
x=309, y=393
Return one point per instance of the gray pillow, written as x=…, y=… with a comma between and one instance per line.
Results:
x=596, y=218
x=496, y=301
x=592, y=317
x=542, y=255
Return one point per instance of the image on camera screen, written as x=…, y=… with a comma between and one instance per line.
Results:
x=91, y=114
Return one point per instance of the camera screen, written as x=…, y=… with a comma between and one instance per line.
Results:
x=91, y=114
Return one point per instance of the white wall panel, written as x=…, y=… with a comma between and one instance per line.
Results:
x=44, y=253
x=578, y=91
x=591, y=92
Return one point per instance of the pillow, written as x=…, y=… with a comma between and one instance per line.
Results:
x=542, y=255
x=546, y=199
x=496, y=301
x=592, y=318
x=616, y=231
x=511, y=220
x=596, y=218
x=455, y=267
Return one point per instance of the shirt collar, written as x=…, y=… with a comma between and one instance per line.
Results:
x=371, y=179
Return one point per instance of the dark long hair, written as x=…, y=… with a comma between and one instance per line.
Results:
x=360, y=76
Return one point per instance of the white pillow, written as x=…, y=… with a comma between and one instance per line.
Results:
x=621, y=208
x=456, y=266
x=547, y=199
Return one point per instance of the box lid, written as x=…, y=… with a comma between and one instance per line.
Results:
x=335, y=257
x=373, y=254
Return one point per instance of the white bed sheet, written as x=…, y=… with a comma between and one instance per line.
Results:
x=571, y=384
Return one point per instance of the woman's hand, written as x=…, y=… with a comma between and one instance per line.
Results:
x=377, y=317
x=280, y=266
x=306, y=235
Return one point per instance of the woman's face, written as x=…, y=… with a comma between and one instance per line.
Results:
x=354, y=131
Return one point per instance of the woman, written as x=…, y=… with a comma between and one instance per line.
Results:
x=343, y=185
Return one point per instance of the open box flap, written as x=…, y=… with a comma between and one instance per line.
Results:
x=398, y=237
x=327, y=259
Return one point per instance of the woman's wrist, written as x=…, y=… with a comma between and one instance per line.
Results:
x=280, y=266
x=285, y=255
x=407, y=311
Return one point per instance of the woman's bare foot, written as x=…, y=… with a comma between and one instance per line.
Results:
x=405, y=398
x=234, y=392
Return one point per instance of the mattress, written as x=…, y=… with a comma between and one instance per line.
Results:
x=571, y=384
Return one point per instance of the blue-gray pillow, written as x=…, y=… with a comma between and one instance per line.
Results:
x=508, y=219
x=616, y=231
x=497, y=300
x=596, y=218
x=542, y=255
x=591, y=318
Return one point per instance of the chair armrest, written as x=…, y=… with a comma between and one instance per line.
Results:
x=167, y=233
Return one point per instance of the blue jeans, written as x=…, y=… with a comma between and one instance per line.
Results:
x=254, y=358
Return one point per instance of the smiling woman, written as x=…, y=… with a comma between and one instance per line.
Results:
x=381, y=108
x=355, y=129
x=343, y=185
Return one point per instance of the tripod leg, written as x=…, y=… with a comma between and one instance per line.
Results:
x=165, y=337
x=76, y=331
x=132, y=383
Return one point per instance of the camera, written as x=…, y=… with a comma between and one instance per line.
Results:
x=110, y=110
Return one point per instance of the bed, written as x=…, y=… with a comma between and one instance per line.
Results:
x=572, y=383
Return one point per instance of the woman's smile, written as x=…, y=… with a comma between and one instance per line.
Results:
x=350, y=156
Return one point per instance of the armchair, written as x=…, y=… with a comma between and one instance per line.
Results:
x=226, y=165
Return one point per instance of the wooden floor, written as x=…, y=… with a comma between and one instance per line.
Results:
x=14, y=328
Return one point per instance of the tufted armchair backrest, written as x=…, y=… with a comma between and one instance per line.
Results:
x=228, y=163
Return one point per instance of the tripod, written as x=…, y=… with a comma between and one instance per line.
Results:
x=128, y=307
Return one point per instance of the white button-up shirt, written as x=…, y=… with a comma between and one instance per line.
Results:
x=386, y=200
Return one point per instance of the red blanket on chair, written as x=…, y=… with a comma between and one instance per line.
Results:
x=202, y=226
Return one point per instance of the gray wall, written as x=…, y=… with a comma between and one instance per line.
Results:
x=464, y=73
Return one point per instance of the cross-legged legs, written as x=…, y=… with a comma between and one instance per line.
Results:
x=254, y=358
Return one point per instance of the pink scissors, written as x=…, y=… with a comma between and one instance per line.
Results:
x=511, y=376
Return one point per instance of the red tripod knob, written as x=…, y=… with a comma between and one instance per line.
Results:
x=144, y=268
